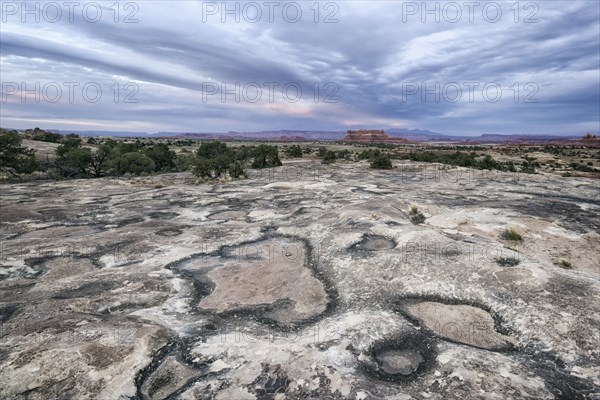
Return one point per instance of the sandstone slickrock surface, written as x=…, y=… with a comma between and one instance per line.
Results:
x=305, y=281
x=460, y=323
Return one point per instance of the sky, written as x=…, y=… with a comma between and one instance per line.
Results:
x=463, y=67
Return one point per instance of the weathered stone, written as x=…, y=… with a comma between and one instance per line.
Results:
x=460, y=323
x=97, y=280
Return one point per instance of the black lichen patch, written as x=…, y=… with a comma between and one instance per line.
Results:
x=160, y=381
x=287, y=201
x=557, y=375
x=127, y=307
x=128, y=221
x=401, y=358
x=392, y=223
x=86, y=290
x=24, y=273
x=322, y=391
x=566, y=288
x=99, y=200
x=163, y=214
x=507, y=261
x=169, y=232
x=568, y=214
x=123, y=253
x=7, y=311
x=373, y=243
x=55, y=214
x=10, y=290
x=4, y=353
x=145, y=374
x=361, y=189
x=181, y=203
x=152, y=380
x=271, y=381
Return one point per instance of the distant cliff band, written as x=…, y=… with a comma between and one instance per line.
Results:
x=371, y=136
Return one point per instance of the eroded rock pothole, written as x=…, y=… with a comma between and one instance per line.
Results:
x=459, y=323
x=404, y=362
x=373, y=243
x=401, y=358
x=269, y=277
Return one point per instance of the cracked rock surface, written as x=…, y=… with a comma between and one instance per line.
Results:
x=312, y=284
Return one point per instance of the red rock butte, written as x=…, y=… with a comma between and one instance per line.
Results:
x=371, y=136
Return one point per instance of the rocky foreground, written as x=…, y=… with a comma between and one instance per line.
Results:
x=304, y=281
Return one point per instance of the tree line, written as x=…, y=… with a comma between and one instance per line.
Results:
x=212, y=160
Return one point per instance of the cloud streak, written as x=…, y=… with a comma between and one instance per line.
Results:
x=360, y=71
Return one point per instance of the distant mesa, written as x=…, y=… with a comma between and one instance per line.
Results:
x=371, y=136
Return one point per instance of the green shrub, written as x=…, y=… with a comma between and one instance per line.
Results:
x=133, y=163
x=73, y=161
x=381, y=162
x=581, y=167
x=164, y=159
x=236, y=170
x=368, y=154
x=184, y=161
x=565, y=264
x=203, y=168
x=212, y=149
x=294, y=151
x=329, y=157
x=266, y=156
x=511, y=233
x=214, y=159
x=50, y=137
x=416, y=216
x=14, y=156
x=414, y=209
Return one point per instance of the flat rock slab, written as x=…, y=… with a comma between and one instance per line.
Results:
x=460, y=323
x=265, y=273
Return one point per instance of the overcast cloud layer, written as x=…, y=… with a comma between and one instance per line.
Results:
x=370, y=61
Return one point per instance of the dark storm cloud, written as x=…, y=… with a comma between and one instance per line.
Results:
x=372, y=55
